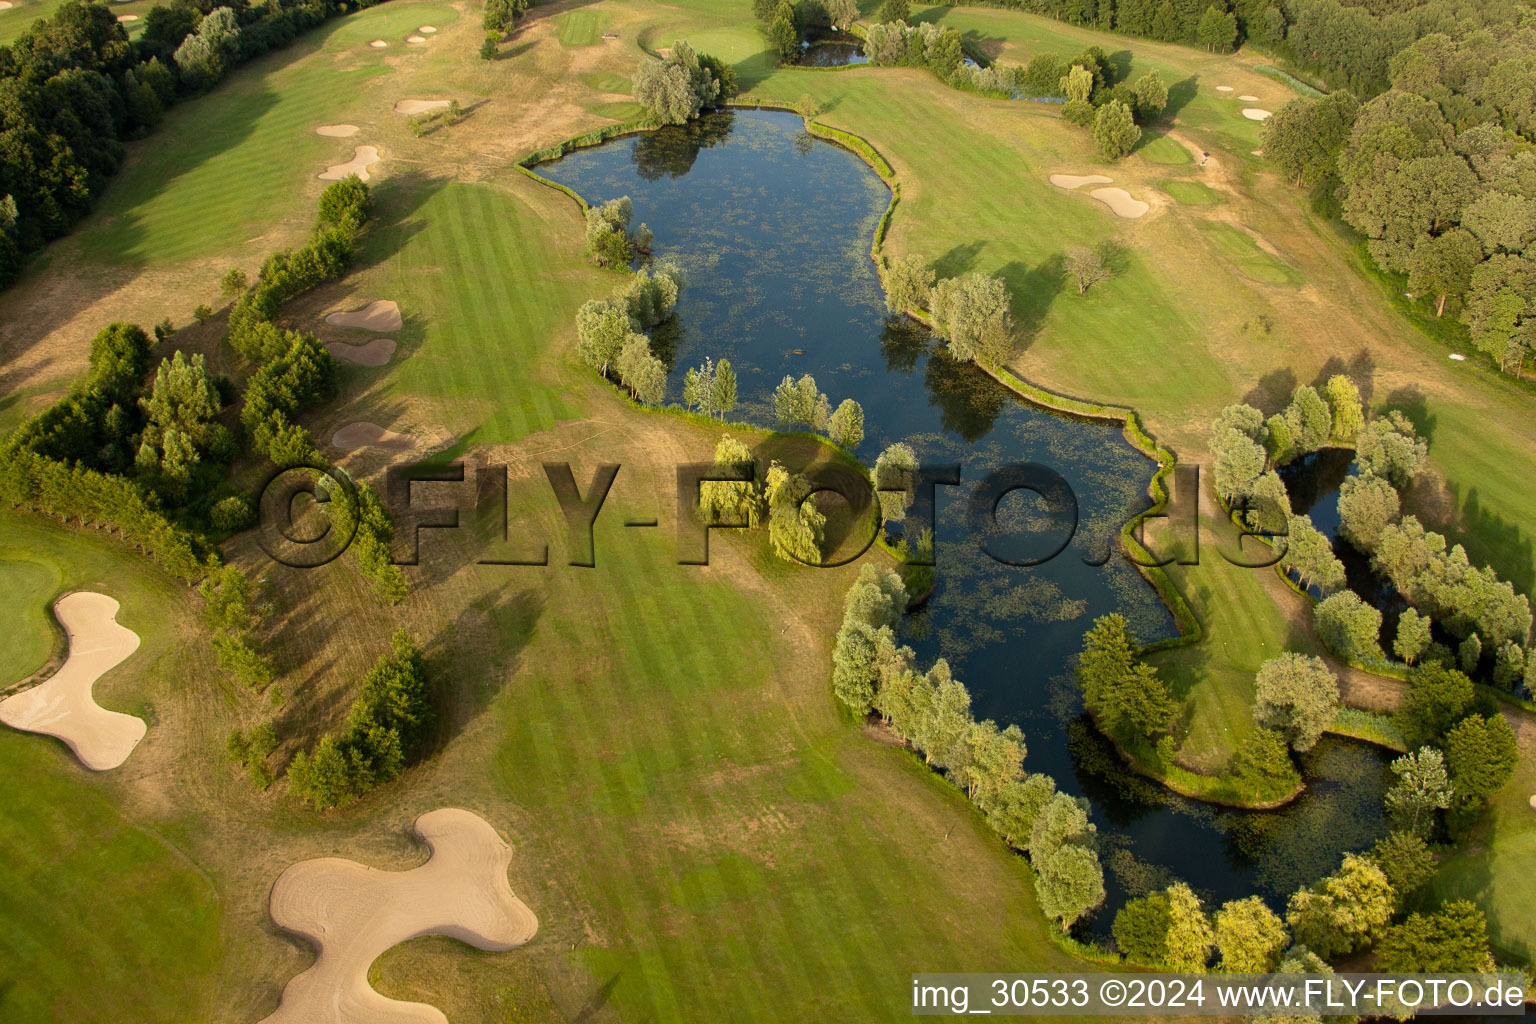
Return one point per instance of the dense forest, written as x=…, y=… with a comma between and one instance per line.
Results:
x=73, y=88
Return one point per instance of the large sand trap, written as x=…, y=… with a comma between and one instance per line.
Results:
x=378, y=44
x=124, y=18
x=378, y=315
x=1079, y=180
x=370, y=435
x=336, y=131
x=362, y=156
x=62, y=706
x=1255, y=114
x=1121, y=201
x=415, y=39
x=1223, y=88
x=6, y=5
x=374, y=353
x=354, y=914
x=427, y=30
x=419, y=106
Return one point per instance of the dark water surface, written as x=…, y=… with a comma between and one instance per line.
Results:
x=832, y=50
x=773, y=227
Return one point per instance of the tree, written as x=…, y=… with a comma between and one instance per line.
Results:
x=1481, y=754
x=1422, y=788
x=733, y=502
x=641, y=372
x=1310, y=420
x=1442, y=265
x=1269, y=505
x=1189, y=931
x=908, y=280
x=1151, y=96
x=1141, y=929
x=1217, y=30
x=1077, y=84
x=1069, y=883
x=1263, y=764
x=674, y=90
x=782, y=33
x=842, y=13
x=1454, y=939
x=795, y=525
x=488, y=46
x=1250, y=936
x=1471, y=652
x=723, y=395
x=1350, y=626
x=1367, y=504
x=1303, y=138
x=894, y=10
x=1296, y=695
x=1413, y=635
x=894, y=478
x=1437, y=698
x=202, y=312
x=846, y=425
x=1406, y=860
x=602, y=328
x=1309, y=554
x=1239, y=462
x=800, y=404
x=872, y=606
x=233, y=282
x=993, y=760
x=1086, y=266
x=1343, y=398
x=1341, y=912
x=607, y=233
x=1108, y=655
x=501, y=15
x=972, y=314
x=1114, y=130
x=1390, y=448
x=1018, y=806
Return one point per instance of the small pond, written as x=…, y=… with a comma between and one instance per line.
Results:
x=1313, y=482
x=832, y=50
x=773, y=227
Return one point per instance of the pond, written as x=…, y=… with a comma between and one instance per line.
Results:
x=773, y=227
x=1313, y=482
x=832, y=50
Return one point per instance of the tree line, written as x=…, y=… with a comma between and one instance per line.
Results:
x=674, y=90
x=1437, y=174
x=931, y=711
x=385, y=727
x=76, y=88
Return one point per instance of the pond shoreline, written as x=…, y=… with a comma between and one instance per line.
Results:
x=1189, y=629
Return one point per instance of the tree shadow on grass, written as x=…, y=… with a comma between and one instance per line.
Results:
x=1273, y=391
x=471, y=657
x=959, y=260
x=1179, y=96
x=1360, y=369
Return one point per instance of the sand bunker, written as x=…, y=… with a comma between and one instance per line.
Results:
x=1249, y=99
x=1078, y=180
x=415, y=39
x=62, y=706
x=1121, y=201
x=378, y=44
x=1255, y=114
x=374, y=353
x=6, y=5
x=1533, y=801
x=362, y=156
x=427, y=30
x=124, y=18
x=381, y=315
x=354, y=914
x=370, y=435
x=1223, y=88
x=419, y=106
x=336, y=131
